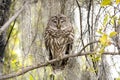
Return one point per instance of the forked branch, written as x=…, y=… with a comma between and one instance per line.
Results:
x=39, y=65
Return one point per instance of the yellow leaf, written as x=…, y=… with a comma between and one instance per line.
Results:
x=117, y=78
x=112, y=34
x=105, y=2
x=119, y=21
x=16, y=41
x=14, y=61
x=91, y=69
x=106, y=18
x=117, y=1
x=12, y=52
x=112, y=21
x=103, y=39
x=102, y=50
x=31, y=77
x=100, y=31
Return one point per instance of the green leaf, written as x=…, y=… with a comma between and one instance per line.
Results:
x=100, y=31
x=105, y=3
x=105, y=21
x=102, y=50
x=112, y=34
x=112, y=21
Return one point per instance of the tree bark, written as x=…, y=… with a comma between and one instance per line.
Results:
x=4, y=14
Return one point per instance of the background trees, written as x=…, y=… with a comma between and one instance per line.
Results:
x=96, y=25
x=4, y=13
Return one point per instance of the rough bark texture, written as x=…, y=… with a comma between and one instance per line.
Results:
x=4, y=14
x=32, y=22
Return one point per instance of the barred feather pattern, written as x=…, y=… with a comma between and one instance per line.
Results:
x=59, y=41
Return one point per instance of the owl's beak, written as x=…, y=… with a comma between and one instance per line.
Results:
x=59, y=26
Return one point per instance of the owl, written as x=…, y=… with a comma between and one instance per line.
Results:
x=59, y=36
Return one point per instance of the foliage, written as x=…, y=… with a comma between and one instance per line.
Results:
x=12, y=57
x=108, y=2
x=15, y=58
x=117, y=79
x=117, y=1
x=105, y=2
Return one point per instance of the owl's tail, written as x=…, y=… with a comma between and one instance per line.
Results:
x=60, y=65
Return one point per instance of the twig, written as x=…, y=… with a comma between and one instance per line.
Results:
x=6, y=25
x=32, y=67
x=81, y=32
x=35, y=66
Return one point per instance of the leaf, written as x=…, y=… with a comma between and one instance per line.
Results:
x=31, y=77
x=12, y=52
x=105, y=21
x=112, y=21
x=117, y=1
x=105, y=3
x=102, y=50
x=16, y=41
x=103, y=39
x=97, y=58
x=91, y=69
x=14, y=61
x=100, y=31
x=119, y=21
x=117, y=78
x=112, y=34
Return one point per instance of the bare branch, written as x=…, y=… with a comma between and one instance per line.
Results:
x=32, y=67
x=6, y=25
x=81, y=27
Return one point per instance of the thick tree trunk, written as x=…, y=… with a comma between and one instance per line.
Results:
x=33, y=20
x=4, y=13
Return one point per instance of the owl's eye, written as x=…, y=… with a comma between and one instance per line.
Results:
x=62, y=20
x=54, y=21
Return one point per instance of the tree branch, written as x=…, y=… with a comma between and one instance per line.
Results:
x=6, y=25
x=32, y=67
x=80, y=17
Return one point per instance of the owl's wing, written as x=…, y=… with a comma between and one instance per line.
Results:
x=70, y=41
x=71, y=38
x=47, y=41
x=46, y=37
x=69, y=46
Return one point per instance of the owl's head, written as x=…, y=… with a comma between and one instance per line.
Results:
x=58, y=21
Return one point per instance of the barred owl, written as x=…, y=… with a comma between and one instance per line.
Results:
x=59, y=36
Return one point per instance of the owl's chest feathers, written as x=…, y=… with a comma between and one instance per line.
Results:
x=59, y=45
x=59, y=38
x=58, y=33
x=59, y=41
